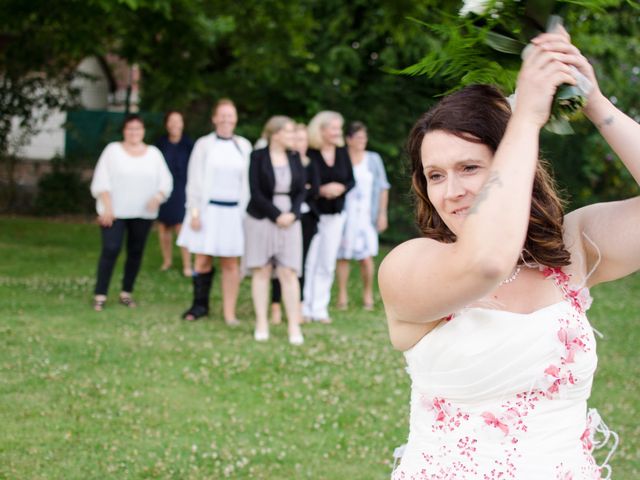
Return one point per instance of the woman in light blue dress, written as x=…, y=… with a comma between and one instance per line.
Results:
x=366, y=209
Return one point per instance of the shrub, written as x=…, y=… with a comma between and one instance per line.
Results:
x=63, y=192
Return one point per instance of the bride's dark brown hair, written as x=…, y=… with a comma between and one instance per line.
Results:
x=479, y=113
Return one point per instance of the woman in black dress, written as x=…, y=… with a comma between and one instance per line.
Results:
x=176, y=148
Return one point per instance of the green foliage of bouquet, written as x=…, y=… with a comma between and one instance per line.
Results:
x=484, y=40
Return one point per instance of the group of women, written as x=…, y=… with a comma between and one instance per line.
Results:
x=284, y=213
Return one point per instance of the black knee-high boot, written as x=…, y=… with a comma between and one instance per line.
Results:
x=201, y=289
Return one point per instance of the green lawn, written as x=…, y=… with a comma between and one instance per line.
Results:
x=141, y=394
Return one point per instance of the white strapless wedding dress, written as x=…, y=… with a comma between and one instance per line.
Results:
x=502, y=395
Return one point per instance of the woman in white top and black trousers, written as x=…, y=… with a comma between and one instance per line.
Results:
x=130, y=182
x=217, y=195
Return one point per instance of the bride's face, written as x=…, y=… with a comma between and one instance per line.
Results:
x=455, y=170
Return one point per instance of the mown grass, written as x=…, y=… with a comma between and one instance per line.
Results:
x=140, y=394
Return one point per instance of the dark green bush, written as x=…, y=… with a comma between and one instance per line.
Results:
x=63, y=192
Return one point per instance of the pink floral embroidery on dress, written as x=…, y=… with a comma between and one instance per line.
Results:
x=492, y=420
x=573, y=334
x=572, y=338
x=511, y=419
x=592, y=470
x=579, y=297
x=558, y=377
x=556, y=272
x=467, y=447
x=585, y=438
x=446, y=417
x=507, y=424
x=562, y=474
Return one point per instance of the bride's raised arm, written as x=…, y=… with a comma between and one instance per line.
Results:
x=609, y=233
x=482, y=197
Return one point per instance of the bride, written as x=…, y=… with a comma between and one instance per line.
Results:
x=489, y=307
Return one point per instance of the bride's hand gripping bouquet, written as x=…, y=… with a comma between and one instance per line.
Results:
x=486, y=41
x=569, y=99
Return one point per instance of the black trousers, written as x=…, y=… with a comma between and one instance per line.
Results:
x=137, y=230
x=309, y=228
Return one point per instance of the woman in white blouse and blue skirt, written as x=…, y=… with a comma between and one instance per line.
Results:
x=217, y=195
x=130, y=182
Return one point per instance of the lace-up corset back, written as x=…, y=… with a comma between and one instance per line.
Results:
x=502, y=395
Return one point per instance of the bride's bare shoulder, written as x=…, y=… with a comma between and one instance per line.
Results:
x=410, y=265
x=411, y=252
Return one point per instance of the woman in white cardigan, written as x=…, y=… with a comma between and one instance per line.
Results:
x=129, y=183
x=217, y=195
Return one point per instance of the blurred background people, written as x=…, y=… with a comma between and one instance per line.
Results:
x=308, y=216
x=262, y=141
x=331, y=160
x=130, y=181
x=273, y=234
x=217, y=194
x=176, y=149
x=366, y=212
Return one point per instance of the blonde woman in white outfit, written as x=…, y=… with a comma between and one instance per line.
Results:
x=217, y=194
x=330, y=160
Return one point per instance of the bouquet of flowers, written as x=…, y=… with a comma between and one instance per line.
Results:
x=486, y=39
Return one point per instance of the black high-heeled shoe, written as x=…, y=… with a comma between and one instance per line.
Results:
x=195, y=312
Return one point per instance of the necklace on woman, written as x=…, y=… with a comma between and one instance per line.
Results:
x=512, y=277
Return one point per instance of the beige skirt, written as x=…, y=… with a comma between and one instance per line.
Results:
x=266, y=243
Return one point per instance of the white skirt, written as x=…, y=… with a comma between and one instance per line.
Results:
x=220, y=234
x=359, y=240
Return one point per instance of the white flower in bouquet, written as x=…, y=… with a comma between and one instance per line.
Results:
x=506, y=27
x=474, y=6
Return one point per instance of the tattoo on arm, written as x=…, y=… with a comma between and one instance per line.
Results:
x=606, y=122
x=493, y=180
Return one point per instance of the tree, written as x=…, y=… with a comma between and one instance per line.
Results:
x=35, y=78
x=609, y=37
x=271, y=56
x=584, y=163
x=294, y=58
x=303, y=57
x=41, y=43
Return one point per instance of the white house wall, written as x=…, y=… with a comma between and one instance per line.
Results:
x=46, y=144
x=94, y=92
x=94, y=95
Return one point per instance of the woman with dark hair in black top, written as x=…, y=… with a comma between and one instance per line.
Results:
x=333, y=166
x=176, y=149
